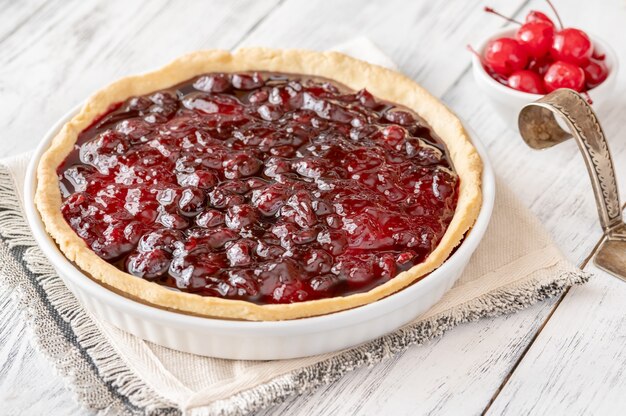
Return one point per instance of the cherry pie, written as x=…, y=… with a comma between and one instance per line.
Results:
x=260, y=185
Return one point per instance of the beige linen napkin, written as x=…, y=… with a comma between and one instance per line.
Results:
x=515, y=266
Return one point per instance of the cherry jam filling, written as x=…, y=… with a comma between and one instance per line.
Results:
x=265, y=187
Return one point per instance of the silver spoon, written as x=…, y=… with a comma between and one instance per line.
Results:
x=540, y=129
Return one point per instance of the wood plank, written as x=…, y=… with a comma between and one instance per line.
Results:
x=577, y=363
x=17, y=14
x=28, y=384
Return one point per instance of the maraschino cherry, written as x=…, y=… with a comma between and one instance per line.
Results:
x=505, y=56
x=527, y=81
x=537, y=16
x=595, y=73
x=564, y=75
x=536, y=37
x=573, y=46
x=542, y=57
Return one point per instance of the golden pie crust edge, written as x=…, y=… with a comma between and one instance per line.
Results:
x=381, y=82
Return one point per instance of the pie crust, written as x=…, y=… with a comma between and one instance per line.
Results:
x=383, y=83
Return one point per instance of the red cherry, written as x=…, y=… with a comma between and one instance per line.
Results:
x=595, y=73
x=573, y=46
x=149, y=264
x=564, y=75
x=505, y=56
x=527, y=81
x=536, y=37
x=537, y=16
x=540, y=65
x=598, y=56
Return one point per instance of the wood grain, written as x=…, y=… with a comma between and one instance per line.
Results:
x=578, y=361
x=28, y=385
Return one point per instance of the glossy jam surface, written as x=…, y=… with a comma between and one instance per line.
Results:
x=265, y=187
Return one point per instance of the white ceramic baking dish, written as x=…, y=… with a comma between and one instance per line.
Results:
x=258, y=340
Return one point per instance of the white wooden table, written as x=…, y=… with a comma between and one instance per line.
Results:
x=562, y=356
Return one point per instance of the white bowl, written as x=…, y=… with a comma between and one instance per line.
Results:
x=258, y=340
x=508, y=102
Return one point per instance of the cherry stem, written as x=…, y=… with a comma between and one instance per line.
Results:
x=587, y=97
x=555, y=13
x=472, y=50
x=493, y=11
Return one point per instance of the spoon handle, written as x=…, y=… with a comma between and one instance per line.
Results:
x=540, y=129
